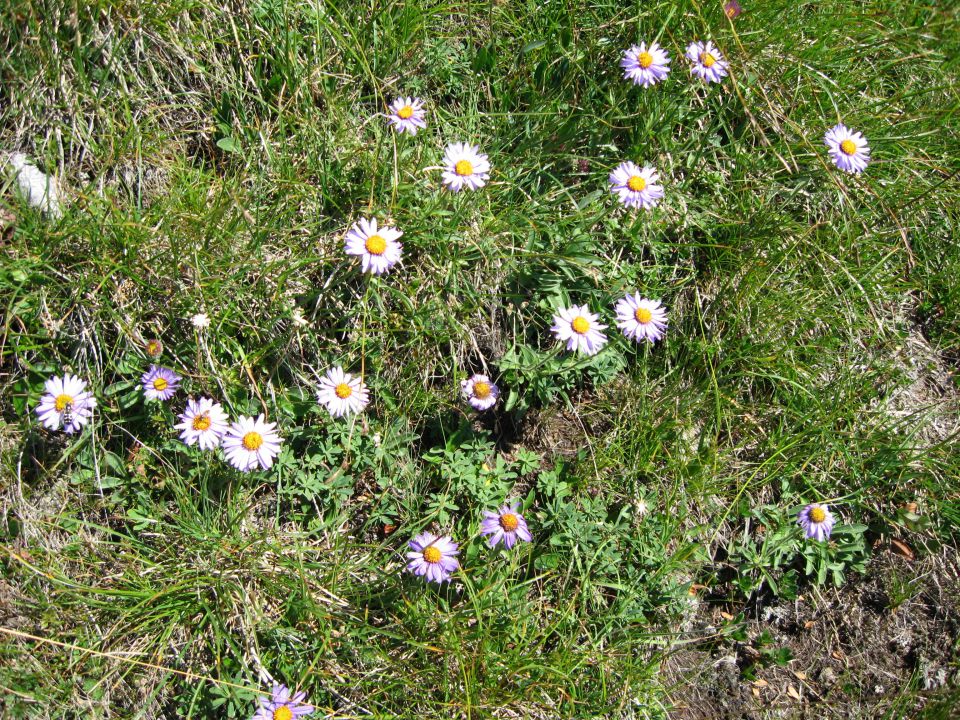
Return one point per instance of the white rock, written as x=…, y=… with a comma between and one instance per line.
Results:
x=39, y=189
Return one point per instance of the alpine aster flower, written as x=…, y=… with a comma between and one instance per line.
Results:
x=708, y=63
x=378, y=247
x=153, y=348
x=579, y=329
x=635, y=186
x=432, y=556
x=249, y=443
x=641, y=319
x=407, y=115
x=848, y=149
x=203, y=422
x=506, y=524
x=465, y=166
x=159, y=383
x=480, y=392
x=342, y=393
x=282, y=705
x=645, y=66
x=816, y=521
x=65, y=403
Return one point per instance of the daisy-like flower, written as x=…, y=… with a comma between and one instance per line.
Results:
x=432, y=556
x=282, y=705
x=848, y=149
x=707, y=61
x=159, y=383
x=505, y=524
x=377, y=246
x=342, y=393
x=579, y=329
x=816, y=521
x=200, y=321
x=645, y=66
x=641, y=319
x=636, y=187
x=407, y=115
x=465, y=166
x=153, y=348
x=249, y=443
x=203, y=422
x=480, y=392
x=65, y=403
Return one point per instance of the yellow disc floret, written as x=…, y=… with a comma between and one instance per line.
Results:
x=636, y=183
x=375, y=245
x=580, y=325
x=431, y=554
x=645, y=60
x=463, y=167
x=159, y=384
x=252, y=441
x=63, y=402
x=848, y=146
x=201, y=422
x=283, y=713
x=343, y=391
x=643, y=315
x=481, y=390
x=509, y=522
x=817, y=514
x=405, y=113
x=707, y=60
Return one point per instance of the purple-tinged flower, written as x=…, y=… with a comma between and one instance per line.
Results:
x=153, y=348
x=342, y=393
x=480, y=392
x=204, y=422
x=641, y=319
x=636, y=187
x=849, y=149
x=732, y=9
x=645, y=66
x=65, y=403
x=379, y=248
x=506, y=524
x=816, y=521
x=159, y=383
x=432, y=556
x=465, y=166
x=580, y=329
x=282, y=705
x=707, y=61
x=250, y=443
x=407, y=115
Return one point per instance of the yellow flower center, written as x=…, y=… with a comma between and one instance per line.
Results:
x=375, y=245
x=636, y=183
x=643, y=315
x=464, y=167
x=159, y=384
x=63, y=402
x=848, y=146
x=252, y=441
x=154, y=348
x=343, y=391
x=431, y=554
x=201, y=422
x=707, y=60
x=580, y=325
x=509, y=522
x=283, y=713
x=405, y=112
x=818, y=514
x=481, y=390
x=645, y=60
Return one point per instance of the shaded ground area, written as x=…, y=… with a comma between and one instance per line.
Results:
x=884, y=645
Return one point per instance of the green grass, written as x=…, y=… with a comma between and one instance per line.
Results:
x=214, y=160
